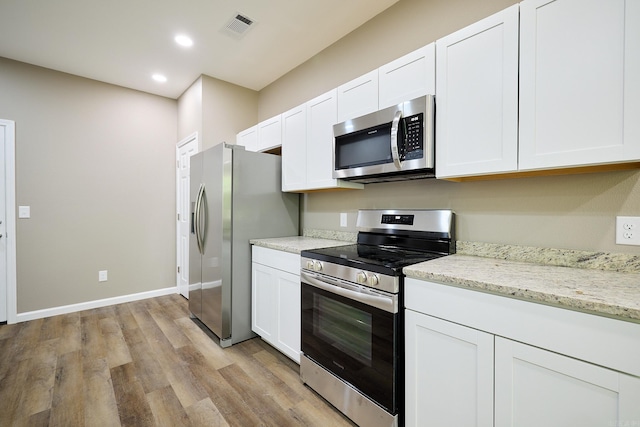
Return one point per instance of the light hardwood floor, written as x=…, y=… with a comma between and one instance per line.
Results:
x=147, y=363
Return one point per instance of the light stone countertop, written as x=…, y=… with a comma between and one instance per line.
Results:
x=297, y=244
x=608, y=293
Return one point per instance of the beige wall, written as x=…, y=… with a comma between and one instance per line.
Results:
x=190, y=111
x=217, y=110
x=573, y=212
x=226, y=109
x=96, y=163
x=404, y=27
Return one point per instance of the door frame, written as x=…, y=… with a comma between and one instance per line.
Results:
x=9, y=129
x=188, y=139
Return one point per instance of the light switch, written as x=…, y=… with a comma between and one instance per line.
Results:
x=24, y=211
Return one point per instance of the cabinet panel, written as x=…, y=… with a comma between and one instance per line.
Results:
x=321, y=116
x=477, y=98
x=294, y=149
x=248, y=138
x=358, y=97
x=263, y=290
x=288, y=315
x=573, y=82
x=535, y=387
x=269, y=133
x=408, y=77
x=449, y=373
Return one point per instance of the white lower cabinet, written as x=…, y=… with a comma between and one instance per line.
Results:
x=275, y=302
x=474, y=359
x=449, y=373
x=535, y=388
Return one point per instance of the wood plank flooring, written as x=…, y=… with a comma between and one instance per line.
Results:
x=146, y=363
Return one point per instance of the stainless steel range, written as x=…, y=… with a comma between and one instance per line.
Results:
x=352, y=311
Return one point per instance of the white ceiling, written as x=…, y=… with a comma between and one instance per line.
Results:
x=124, y=42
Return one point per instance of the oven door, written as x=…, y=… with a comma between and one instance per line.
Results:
x=353, y=332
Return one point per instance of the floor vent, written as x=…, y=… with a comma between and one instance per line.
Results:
x=238, y=25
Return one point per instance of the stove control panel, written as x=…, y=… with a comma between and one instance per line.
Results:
x=361, y=277
x=403, y=219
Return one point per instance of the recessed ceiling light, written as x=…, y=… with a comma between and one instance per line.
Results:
x=159, y=78
x=183, y=40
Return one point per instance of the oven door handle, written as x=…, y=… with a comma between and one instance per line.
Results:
x=356, y=293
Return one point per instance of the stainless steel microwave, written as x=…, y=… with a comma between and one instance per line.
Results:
x=392, y=144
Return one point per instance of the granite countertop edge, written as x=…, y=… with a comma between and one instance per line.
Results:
x=606, y=293
x=593, y=282
x=297, y=244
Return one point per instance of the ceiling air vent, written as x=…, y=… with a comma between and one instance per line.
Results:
x=238, y=25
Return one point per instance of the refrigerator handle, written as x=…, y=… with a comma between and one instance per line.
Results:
x=196, y=221
x=202, y=218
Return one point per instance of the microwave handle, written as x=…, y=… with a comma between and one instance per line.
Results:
x=394, y=140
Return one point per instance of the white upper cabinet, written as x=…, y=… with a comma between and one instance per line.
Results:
x=307, y=146
x=248, y=138
x=322, y=114
x=294, y=149
x=579, y=82
x=358, y=97
x=269, y=133
x=477, y=98
x=408, y=77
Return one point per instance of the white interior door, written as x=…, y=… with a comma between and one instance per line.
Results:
x=186, y=148
x=7, y=223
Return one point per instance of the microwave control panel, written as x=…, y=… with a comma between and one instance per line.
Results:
x=413, y=137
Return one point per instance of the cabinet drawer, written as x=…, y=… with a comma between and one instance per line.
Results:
x=603, y=341
x=280, y=260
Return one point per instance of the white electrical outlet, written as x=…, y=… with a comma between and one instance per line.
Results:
x=343, y=219
x=628, y=230
x=102, y=276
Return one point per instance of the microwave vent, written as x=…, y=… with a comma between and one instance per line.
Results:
x=238, y=25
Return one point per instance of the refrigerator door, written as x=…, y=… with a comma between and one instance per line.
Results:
x=216, y=239
x=195, y=257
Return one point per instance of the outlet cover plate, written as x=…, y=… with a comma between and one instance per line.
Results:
x=102, y=276
x=628, y=230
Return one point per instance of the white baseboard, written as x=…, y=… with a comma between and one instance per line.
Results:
x=72, y=308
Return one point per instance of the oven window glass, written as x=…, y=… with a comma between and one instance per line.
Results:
x=356, y=342
x=345, y=327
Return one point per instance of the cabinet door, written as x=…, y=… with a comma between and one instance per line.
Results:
x=288, y=314
x=248, y=138
x=579, y=82
x=321, y=116
x=477, y=98
x=294, y=149
x=263, y=301
x=534, y=387
x=408, y=77
x=269, y=133
x=358, y=97
x=449, y=373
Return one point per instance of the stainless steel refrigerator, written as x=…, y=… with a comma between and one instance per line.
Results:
x=235, y=196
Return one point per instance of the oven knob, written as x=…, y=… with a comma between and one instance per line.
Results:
x=361, y=277
x=309, y=265
x=317, y=266
x=373, y=280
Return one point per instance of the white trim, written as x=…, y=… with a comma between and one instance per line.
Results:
x=10, y=219
x=72, y=308
x=180, y=144
x=188, y=140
